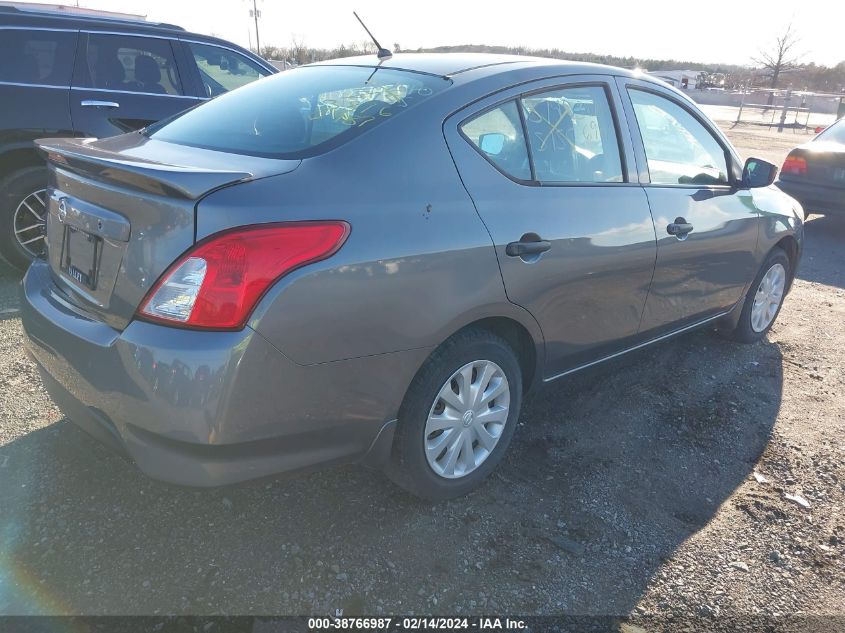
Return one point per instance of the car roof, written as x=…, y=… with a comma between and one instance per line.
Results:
x=476, y=64
x=37, y=16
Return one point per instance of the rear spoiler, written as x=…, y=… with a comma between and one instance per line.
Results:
x=147, y=176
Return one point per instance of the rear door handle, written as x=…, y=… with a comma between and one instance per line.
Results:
x=523, y=248
x=93, y=103
x=679, y=228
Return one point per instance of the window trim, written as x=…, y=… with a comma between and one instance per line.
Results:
x=728, y=155
x=134, y=92
x=604, y=85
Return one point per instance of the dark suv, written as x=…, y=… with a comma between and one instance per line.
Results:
x=81, y=75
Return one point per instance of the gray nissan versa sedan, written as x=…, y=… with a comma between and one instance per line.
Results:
x=373, y=260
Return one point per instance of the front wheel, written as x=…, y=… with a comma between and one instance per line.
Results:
x=458, y=416
x=764, y=298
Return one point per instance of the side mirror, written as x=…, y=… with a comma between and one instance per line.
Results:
x=492, y=143
x=758, y=173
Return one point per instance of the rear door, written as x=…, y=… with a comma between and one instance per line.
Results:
x=124, y=82
x=706, y=223
x=572, y=227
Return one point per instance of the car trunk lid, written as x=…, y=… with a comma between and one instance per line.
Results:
x=825, y=163
x=121, y=210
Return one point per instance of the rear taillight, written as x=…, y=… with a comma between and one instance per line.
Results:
x=796, y=165
x=217, y=283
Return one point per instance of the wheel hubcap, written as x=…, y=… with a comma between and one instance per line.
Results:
x=768, y=298
x=467, y=419
x=29, y=222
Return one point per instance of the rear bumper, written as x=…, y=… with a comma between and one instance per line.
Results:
x=815, y=198
x=208, y=408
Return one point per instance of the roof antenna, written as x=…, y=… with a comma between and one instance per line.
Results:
x=383, y=53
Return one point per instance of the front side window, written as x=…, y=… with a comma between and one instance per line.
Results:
x=571, y=136
x=133, y=64
x=679, y=149
x=497, y=134
x=222, y=70
x=300, y=112
x=36, y=57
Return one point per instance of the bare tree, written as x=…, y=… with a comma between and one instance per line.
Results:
x=781, y=56
x=298, y=50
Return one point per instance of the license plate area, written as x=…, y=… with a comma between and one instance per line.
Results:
x=81, y=256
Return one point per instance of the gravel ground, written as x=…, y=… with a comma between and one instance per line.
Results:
x=655, y=488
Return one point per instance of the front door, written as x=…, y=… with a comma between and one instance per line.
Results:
x=575, y=240
x=706, y=223
x=125, y=82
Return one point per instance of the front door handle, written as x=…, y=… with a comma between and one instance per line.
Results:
x=679, y=228
x=93, y=103
x=525, y=247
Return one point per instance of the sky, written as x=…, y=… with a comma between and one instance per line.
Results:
x=716, y=31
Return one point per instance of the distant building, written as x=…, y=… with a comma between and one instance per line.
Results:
x=683, y=79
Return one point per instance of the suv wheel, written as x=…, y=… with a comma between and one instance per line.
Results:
x=23, y=214
x=458, y=416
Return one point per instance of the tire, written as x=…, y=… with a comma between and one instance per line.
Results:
x=490, y=359
x=747, y=330
x=14, y=190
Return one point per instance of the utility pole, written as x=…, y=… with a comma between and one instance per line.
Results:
x=255, y=14
x=786, y=101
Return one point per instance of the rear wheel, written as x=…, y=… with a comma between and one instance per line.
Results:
x=23, y=214
x=764, y=298
x=458, y=416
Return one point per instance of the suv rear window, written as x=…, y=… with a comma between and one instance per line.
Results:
x=301, y=112
x=132, y=64
x=36, y=57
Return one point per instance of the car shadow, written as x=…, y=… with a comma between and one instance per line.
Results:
x=609, y=472
x=826, y=233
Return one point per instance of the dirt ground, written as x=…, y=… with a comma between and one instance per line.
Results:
x=629, y=490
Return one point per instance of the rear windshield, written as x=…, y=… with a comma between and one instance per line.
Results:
x=299, y=113
x=835, y=133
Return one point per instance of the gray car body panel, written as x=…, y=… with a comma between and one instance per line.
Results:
x=320, y=371
x=139, y=195
x=192, y=407
x=418, y=264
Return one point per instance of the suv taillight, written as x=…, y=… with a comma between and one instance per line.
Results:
x=794, y=165
x=219, y=281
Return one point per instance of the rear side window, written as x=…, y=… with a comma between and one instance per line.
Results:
x=36, y=57
x=222, y=70
x=571, y=136
x=132, y=64
x=497, y=135
x=301, y=112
